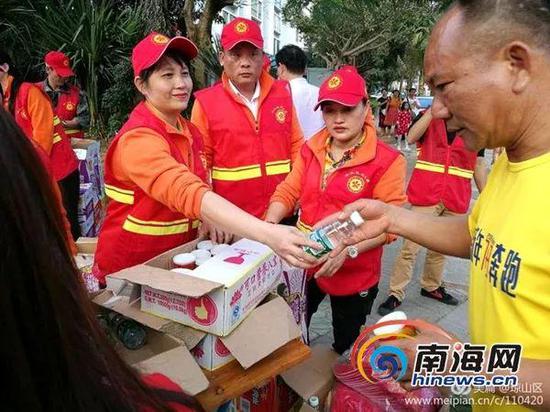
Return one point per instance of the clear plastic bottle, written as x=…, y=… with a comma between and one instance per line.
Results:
x=331, y=235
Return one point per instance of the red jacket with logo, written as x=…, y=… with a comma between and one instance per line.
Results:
x=443, y=172
x=63, y=160
x=249, y=157
x=67, y=105
x=376, y=171
x=138, y=227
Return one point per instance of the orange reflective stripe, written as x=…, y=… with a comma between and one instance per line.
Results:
x=236, y=173
x=303, y=227
x=431, y=167
x=72, y=131
x=457, y=171
x=56, y=138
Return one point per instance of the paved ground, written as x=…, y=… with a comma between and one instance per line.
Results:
x=452, y=318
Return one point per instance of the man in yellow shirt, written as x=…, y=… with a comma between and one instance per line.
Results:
x=487, y=63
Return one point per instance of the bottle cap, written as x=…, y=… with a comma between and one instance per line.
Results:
x=313, y=401
x=356, y=218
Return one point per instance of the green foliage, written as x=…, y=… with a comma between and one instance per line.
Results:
x=385, y=39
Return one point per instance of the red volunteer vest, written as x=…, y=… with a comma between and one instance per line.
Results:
x=67, y=104
x=249, y=160
x=137, y=227
x=442, y=172
x=345, y=185
x=63, y=161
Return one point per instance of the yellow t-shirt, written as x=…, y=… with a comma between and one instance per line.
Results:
x=510, y=258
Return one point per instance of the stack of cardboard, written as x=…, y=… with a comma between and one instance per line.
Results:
x=90, y=211
x=217, y=316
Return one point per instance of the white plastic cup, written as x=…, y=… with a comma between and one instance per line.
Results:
x=219, y=248
x=201, y=254
x=200, y=261
x=205, y=244
x=184, y=260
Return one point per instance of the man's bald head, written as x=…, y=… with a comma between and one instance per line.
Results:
x=493, y=23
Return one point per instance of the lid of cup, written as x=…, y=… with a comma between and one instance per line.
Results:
x=201, y=253
x=205, y=244
x=397, y=315
x=183, y=259
x=201, y=260
x=182, y=270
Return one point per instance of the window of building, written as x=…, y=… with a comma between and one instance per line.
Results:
x=276, y=45
x=257, y=10
x=277, y=22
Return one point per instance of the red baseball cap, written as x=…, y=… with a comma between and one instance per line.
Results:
x=149, y=51
x=60, y=63
x=239, y=30
x=344, y=86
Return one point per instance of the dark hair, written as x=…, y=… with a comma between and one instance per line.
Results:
x=57, y=356
x=395, y=90
x=528, y=20
x=412, y=88
x=293, y=58
x=173, y=54
x=405, y=103
x=17, y=80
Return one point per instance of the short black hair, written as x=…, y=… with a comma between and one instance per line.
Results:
x=501, y=21
x=412, y=88
x=293, y=58
x=173, y=54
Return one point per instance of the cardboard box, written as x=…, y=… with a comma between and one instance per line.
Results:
x=291, y=286
x=219, y=294
x=211, y=353
x=90, y=166
x=262, y=398
x=90, y=210
x=269, y=327
x=84, y=261
x=314, y=376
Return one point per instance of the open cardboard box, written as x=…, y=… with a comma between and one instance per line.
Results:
x=219, y=295
x=268, y=328
x=313, y=377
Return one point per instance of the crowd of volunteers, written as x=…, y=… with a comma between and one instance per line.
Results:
x=271, y=159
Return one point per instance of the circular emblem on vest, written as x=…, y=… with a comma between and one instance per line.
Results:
x=241, y=27
x=69, y=106
x=280, y=114
x=356, y=184
x=66, y=62
x=334, y=82
x=160, y=39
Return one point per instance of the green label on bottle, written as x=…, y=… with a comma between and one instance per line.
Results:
x=320, y=237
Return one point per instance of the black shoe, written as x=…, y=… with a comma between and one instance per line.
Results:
x=440, y=295
x=389, y=305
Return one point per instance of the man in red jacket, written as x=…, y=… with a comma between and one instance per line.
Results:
x=250, y=128
x=69, y=102
x=440, y=185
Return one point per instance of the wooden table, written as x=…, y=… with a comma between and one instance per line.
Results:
x=232, y=380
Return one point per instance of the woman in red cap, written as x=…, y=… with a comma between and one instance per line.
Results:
x=341, y=163
x=155, y=175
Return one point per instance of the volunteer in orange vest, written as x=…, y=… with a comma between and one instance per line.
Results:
x=440, y=185
x=251, y=131
x=155, y=176
x=338, y=165
x=33, y=112
x=69, y=102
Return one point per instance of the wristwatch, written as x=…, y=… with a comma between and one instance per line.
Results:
x=353, y=252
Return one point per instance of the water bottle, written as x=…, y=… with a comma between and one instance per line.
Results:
x=130, y=333
x=331, y=235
